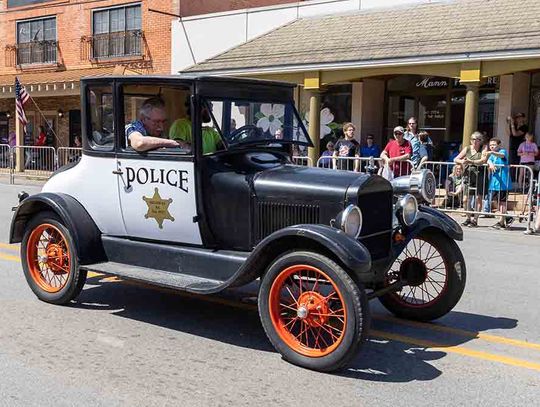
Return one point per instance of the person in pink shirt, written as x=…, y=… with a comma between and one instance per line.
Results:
x=397, y=152
x=527, y=152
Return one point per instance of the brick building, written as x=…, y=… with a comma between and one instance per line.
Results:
x=50, y=44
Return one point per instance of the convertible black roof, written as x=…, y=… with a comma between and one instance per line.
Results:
x=188, y=78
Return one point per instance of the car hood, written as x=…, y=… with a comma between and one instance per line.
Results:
x=291, y=183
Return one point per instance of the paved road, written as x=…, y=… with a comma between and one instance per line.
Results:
x=126, y=344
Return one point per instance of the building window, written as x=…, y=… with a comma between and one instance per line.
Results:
x=36, y=41
x=117, y=32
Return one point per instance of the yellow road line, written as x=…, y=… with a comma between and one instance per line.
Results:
x=460, y=350
x=10, y=257
x=13, y=247
x=461, y=332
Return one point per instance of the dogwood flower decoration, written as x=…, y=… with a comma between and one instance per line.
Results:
x=271, y=115
x=327, y=117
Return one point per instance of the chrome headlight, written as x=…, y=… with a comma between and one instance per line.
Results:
x=407, y=209
x=421, y=183
x=350, y=221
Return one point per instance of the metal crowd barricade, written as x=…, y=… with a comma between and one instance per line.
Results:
x=66, y=155
x=5, y=160
x=34, y=162
x=302, y=160
x=470, y=190
x=360, y=164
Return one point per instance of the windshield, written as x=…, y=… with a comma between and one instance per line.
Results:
x=244, y=122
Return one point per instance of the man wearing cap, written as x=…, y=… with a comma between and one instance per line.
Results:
x=397, y=152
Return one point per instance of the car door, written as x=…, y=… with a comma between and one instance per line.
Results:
x=157, y=187
x=158, y=199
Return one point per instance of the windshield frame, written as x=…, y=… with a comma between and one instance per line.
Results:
x=207, y=102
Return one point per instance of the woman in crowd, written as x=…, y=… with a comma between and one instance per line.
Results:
x=473, y=159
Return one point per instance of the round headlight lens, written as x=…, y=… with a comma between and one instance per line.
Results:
x=351, y=221
x=408, y=208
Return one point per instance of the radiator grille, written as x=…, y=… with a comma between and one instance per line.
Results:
x=272, y=216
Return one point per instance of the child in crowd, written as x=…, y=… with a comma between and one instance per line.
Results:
x=455, y=188
x=425, y=148
x=527, y=152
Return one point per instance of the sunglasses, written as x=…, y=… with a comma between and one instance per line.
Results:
x=398, y=132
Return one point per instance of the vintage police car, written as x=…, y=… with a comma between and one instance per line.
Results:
x=220, y=214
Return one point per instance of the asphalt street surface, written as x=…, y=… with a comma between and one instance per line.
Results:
x=127, y=344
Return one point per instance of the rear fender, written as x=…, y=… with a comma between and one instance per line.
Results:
x=86, y=235
x=349, y=252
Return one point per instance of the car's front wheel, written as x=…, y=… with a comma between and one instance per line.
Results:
x=433, y=269
x=49, y=260
x=314, y=314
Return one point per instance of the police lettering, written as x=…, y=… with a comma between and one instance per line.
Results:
x=174, y=178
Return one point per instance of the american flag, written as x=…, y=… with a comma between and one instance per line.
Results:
x=21, y=97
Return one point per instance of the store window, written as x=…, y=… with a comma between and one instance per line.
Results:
x=117, y=32
x=439, y=105
x=535, y=105
x=36, y=41
x=336, y=106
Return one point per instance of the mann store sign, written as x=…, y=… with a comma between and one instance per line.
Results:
x=17, y=3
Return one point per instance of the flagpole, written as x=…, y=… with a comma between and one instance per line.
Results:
x=45, y=119
x=19, y=141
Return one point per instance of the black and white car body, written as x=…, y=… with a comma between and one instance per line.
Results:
x=322, y=242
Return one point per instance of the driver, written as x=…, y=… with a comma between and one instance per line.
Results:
x=180, y=131
x=146, y=133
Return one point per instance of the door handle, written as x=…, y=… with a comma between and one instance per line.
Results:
x=118, y=172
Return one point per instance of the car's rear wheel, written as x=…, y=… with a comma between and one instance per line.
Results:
x=433, y=268
x=49, y=260
x=314, y=314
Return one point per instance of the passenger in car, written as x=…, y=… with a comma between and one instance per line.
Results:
x=180, y=131
x=146, y=133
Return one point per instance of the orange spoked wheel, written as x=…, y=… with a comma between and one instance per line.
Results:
x=50, y=261
x=432, y=269
x=48, y=258
x=307, y=310
x=312, y=311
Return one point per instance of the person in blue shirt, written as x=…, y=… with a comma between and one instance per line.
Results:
x=146, y=133
x=370, y=149
x=500, y=182
x=326, y=157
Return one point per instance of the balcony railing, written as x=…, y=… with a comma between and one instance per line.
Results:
x=36, y=52
x=117, y=44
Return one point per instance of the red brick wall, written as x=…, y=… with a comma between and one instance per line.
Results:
x=191, y=7
x=73, y=21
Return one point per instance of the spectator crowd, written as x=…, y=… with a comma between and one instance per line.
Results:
x=477, y=179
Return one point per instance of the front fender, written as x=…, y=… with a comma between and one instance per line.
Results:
x=349, y=251
x=430, y=217
x=86, y=235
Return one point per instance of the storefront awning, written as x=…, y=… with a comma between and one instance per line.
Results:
x=449, y=31
x=61, y=83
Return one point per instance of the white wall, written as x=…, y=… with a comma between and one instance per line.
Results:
x=197, y=38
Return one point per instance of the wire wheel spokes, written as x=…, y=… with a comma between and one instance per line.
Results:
x=48, y=258
x=422, y=266
x=307, y=310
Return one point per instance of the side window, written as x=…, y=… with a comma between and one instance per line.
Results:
x=158, y=111
x=101, y=118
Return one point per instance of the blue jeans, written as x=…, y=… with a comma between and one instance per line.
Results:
x=487, y=202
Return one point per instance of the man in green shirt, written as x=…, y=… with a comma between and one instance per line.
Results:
x=181, y=132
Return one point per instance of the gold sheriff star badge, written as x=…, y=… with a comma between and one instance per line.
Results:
x=158, y=208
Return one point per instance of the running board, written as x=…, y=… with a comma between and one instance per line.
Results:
x=161, y=278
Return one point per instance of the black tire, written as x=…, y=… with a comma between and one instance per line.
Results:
x=353, y=326
x=69, y=287
x=450, y=274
